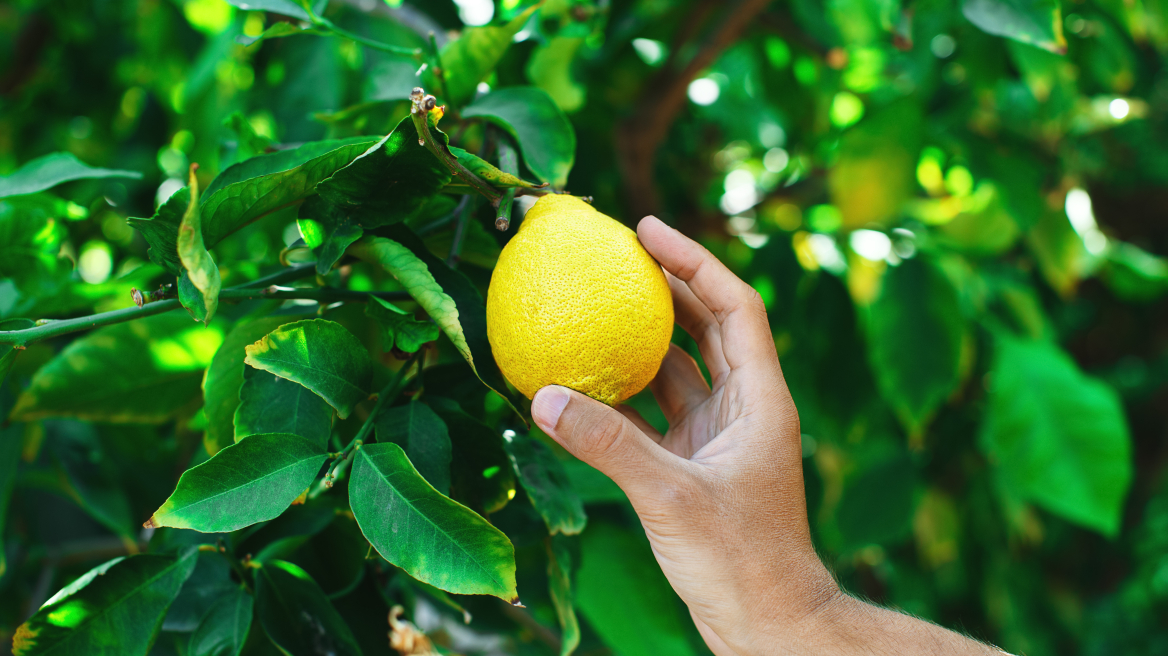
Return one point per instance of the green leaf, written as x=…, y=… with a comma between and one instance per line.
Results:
x=877, y=507
x=234, y=205
x=283, y=160
x=224, y=629
x=290, y=8
x=8, y=352
x=224, y=378
x=320, y=355
x=277, y=31
x=389, y=182
x=624, y=596
x=250, y=142
x=139, y=372
x=270, y=404
x=1036, y=22
x=560, y=568
x=1056, y=437
x=423, y=436
x=251, y=481
x=30, y=244
x=161, y=231
x=198, y=266
x=488, y=171
x=915, y=335
x=296, y=614
x=545, y=136
x=550, y=69
x=468, y=60
x=115, y=608
x=546, y=483
x=331, y=228
x=433, y=538
x=51, y=170
x=191, y=298
x=445, y=294
x=482, y=475
x=399, y=328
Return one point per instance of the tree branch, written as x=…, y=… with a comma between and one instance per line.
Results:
x=639, y=137
x=257, y=289
x=423, y=104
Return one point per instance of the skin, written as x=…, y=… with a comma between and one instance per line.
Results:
x=720, y=494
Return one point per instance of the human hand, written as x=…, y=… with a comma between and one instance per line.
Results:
x=720, y=494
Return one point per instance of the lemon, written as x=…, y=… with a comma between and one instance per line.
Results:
x=575, y=300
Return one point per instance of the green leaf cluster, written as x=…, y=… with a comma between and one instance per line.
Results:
x=949, y=209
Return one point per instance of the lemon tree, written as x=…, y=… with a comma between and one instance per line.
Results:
x=278, y=278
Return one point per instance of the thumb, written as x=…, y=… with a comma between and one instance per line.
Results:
x=603, y=438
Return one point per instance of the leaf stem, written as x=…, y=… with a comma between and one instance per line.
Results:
x=439, y=72
x=256, y=289
x=387, y=394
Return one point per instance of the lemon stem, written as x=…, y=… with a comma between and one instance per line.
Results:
x=508, y=163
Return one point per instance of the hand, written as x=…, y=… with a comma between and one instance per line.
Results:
x=720, y=494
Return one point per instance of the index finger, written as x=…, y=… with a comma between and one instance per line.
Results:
x=736, y=306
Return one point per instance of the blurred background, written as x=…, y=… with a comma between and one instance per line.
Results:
x=955, y=212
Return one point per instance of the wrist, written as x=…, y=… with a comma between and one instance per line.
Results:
x=795, y=615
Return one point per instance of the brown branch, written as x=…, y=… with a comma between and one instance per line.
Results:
x=640, y=136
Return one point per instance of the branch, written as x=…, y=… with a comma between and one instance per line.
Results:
x=508, y=163
x=459, y=235
x=423, y=104
x=257, y=289
x=639, y=137
x=388, y=393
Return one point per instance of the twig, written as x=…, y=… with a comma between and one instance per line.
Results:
x=389, y=392
x=320, y=294
x=508, y=163
x=459, y=235
x=524, y=619
x=441, y=221
x=249, y=290
x=423, y=104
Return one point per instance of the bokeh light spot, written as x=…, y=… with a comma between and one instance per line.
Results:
x=846, y=109
x=704, y=91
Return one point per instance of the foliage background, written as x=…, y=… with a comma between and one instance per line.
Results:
x=956, y=222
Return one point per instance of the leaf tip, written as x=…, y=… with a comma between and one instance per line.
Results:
x=516, y=603
x=150, y=523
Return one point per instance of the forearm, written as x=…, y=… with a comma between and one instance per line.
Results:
x=847, y=626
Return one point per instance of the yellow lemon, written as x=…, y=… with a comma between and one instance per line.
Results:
x=575, y=300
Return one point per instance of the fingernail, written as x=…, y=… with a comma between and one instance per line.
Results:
x=547, y=406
